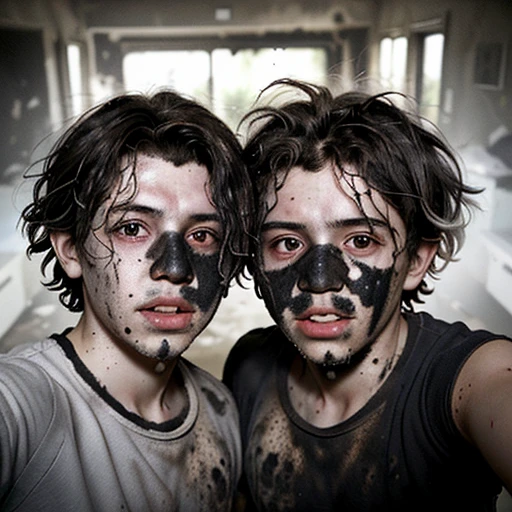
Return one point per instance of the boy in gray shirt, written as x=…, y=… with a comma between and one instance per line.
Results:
x=133, y=208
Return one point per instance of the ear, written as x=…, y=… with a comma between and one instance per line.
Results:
x=66, y=252
x=419, y=265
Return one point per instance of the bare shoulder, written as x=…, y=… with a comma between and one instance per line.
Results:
x=489, y=366
x=492, y=360
x=481, y=404
x=485, y=379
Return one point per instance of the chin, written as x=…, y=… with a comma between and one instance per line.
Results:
x=164, y=349
x=332, y=353
x=325, y=353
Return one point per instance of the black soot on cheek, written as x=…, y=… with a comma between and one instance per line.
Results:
x=276, y=289
x=209, y=282
x=322, y=269
x=372, y=287
x=174, y=259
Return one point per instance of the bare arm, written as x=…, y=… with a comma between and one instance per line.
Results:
x=482, y=405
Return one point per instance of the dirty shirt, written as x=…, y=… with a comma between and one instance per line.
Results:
x=400, y=452
x=67, y=445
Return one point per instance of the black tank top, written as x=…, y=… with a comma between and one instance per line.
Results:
x=400, y=452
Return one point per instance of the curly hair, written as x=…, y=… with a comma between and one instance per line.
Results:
x=84, y=167
x=413, y=168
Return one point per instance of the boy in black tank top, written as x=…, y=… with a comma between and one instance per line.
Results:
x=352, y=401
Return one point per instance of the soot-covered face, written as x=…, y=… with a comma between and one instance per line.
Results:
x=332, y=264
x=150, y=268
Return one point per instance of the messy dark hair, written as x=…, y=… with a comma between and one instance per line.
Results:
x=411, y=166
x=84, y=167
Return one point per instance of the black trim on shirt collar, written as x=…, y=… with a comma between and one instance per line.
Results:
x=284, y=363
x=87, y=375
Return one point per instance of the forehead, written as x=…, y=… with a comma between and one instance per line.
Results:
x=330, y=194
x=161, y=184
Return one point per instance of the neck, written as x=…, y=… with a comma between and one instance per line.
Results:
x=327, y=395
x=150, y=388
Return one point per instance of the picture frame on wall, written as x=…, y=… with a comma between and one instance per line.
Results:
x=490, y=59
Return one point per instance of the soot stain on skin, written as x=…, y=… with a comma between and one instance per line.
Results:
x=386, y=369
x=116, y=270
x=219, y=405
x=172, y=256
x=307, y=275
x=209, y=287
x=322, y=268
x=163, y=351
x=329, y=358
x=109, y=311
x=344, y=305
x=372, y=287
x=300, y=303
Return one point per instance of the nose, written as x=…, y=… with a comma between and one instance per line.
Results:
x=322, y=270
x=170, y=255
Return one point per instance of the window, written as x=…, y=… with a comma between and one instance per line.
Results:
x=239, y=77
x=227, y=81
x=393, y=63
x=429, y=82
x=75, y=78
x=187, y=72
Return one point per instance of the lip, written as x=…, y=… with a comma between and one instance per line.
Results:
x=168, y=314
x=330, y=324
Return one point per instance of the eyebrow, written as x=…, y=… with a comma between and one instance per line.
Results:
x=339, y=223
x=267, y=226
x=205, y=217
x=358, y=221
x=137, y=208
x=158, y=213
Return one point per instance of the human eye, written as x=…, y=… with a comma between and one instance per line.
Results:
x=362, y=244
x=204, y=240
x=361, y=241
x=284, y=247
x=288, y=245
x=130, y=230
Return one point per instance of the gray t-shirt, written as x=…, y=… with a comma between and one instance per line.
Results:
x=67, y=445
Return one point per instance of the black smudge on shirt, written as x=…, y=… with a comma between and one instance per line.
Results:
x=220, y=484
x=218, y=404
